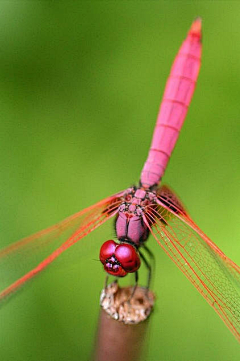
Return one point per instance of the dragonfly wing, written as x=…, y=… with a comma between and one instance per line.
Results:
x=213, y=274
x=24, y=259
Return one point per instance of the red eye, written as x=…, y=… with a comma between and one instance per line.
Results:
x=119, y=259
x=107, y=250
x=128, y=257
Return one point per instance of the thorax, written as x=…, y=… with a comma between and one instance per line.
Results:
x=130, y=226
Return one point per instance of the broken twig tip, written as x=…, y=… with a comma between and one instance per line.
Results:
x=122, y=306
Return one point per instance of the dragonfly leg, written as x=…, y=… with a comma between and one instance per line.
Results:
x=149, y=252
x=135, y=286
x=106, y=282
x=152, y=266
x=149, y=270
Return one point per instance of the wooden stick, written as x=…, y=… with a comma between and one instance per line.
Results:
x=122, y=323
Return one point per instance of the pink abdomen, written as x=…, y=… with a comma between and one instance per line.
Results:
x=176, y=99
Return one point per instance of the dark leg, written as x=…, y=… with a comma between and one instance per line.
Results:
x=148, y=267
x=136, y=284
x=151, y=255
x=106, y=282
x=152, y=258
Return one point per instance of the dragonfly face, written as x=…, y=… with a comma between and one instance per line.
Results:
x=119, y=259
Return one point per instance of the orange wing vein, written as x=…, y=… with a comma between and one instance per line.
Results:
x=24, y=259
x=213, y=274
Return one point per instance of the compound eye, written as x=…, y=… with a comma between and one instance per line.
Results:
x=107, y=250
x=119, y=259
x=128, y=257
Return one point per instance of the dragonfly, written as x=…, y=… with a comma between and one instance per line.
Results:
x=149, y=208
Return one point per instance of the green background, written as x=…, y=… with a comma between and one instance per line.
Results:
x=81, y=84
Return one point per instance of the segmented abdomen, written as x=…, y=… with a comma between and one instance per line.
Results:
x=176, y=99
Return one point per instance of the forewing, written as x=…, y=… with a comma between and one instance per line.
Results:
x=214, y=275
x=24, y=259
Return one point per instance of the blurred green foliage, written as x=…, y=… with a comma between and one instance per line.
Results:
x=81, y=84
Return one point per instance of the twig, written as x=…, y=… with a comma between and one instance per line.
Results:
x=121, y=329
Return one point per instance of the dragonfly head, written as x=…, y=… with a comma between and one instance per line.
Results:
x=119, y=259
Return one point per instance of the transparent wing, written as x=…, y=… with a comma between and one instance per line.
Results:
x=24, y=259
x=213, y=274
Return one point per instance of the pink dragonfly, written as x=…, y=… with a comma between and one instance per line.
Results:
x=144, y=210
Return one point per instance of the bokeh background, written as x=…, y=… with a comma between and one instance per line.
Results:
x=81, y=84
